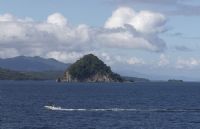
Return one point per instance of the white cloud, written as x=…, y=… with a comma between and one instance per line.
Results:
x=11, y=31
x=57, y=19
x=8, y=52
x=39, y=38
x=134, y=61
x=163, y=60
x=125, y=40
x=63, y=32
x=64, y=56
x=106, y=56
x=129, y=60
x=10, y=18
x=6, y=17
x=56, y=38
x=131, y=29
x=187, y=63
x=143, y=21
x=120, y=17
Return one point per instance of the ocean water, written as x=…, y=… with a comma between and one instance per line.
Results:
x=155, y=105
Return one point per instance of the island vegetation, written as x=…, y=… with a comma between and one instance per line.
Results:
x=87, y=69
x=6, y=74
x=135, y=79
x=13, y=75
x=90, y=69
x=174, y=80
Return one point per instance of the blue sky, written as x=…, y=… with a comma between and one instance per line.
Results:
x=76, y=10
x=158, y=39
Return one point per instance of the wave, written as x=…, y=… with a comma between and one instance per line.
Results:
x=120, y=109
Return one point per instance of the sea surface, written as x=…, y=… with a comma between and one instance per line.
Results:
x=155, y=105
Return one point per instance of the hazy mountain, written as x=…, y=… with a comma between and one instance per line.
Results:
x=23, y=63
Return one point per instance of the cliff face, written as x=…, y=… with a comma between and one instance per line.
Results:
x=90, y=69
x=67, y=77
x=95, y=78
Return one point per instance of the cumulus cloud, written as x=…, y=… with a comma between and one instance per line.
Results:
x=134, y=61
x=132, y=29
x=65, y=56
x=10, y=18
x=56, y=38
x=120, y=17
x=143, y=21
x=8, y=52
x=163, y=60
x=129, y=60
x=187, y=63
x=32, y=38
x=126, y=40
x=57, y=19
x=106, y=56
x=6, y=17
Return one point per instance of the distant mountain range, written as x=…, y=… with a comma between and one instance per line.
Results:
x=38, y=68
x=31, y=68
x=33, y=64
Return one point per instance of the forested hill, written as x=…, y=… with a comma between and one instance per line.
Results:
x=91, y=69
x=6, y=74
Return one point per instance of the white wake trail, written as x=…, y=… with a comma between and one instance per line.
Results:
x=81, y=109
x=54, y=108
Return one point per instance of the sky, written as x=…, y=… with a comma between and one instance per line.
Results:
x=157, y=39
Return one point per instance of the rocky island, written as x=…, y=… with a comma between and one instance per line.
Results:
x=174, y=80
x=90, y=69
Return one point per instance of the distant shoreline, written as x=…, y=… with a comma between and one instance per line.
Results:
x=152, y=81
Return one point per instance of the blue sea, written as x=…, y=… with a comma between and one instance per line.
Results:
x=152, y=105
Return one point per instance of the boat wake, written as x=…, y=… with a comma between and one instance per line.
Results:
x=54, y=108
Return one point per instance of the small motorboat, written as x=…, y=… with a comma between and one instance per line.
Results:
x=53, y=107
